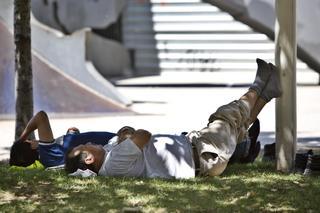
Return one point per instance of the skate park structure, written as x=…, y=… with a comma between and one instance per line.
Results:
x=157, y=37
x=64, y=81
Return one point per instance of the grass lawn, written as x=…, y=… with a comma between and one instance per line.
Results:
x=256, y=187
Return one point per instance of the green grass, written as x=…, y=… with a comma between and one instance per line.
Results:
x=241, y=188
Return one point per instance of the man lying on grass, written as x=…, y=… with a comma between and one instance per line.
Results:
x=204, y=153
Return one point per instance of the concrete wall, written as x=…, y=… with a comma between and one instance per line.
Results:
x=260, y=14
x=72, y=15
x=109, y=57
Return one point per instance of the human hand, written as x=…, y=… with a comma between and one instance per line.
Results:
x=34, y=143
x=73, y=130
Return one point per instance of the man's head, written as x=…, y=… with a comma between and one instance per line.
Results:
x=88, y=156
x=124, y=133
x=21, y=154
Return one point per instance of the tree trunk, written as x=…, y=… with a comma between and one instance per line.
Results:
x=23, y=64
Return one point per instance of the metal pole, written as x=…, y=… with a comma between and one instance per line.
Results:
x=286, y=106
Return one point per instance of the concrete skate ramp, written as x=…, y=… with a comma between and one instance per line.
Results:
x=67, y=53
x=54, y=91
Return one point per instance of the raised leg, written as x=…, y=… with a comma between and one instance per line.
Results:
x=260, y=103
x=262, y=76
x=271, y=90
x=250, y=98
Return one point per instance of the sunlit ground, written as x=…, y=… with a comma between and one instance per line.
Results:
x=174, y=110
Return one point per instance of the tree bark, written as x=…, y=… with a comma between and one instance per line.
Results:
x=23, y=64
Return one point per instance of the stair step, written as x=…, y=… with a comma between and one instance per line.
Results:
x=172, y=8
x=220, y=46
x=214, y=65
x=149, y=27
x=183, y=8
x=214, y=37
x=197, y=18
x=191, y=18
x=209, y=55
x=174, y=1
x=145, y=64
x=194, y=49
x=200, y=27
x=237, y=70
x=214, y=59
x=214, y=55
x=198, y=44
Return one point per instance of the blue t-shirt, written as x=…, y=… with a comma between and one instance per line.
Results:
x=52, y=154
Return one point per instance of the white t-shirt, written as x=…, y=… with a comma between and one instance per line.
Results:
x=165, y=156
x=124, y=159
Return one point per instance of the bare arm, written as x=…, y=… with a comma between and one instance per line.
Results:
x=40, y=122
x=141, y=137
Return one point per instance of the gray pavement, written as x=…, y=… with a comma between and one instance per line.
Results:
x=177, y=109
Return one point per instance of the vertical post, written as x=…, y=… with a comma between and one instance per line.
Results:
x=285, y=58
x=23, y=65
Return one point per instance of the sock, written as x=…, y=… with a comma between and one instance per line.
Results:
x=262, y=76
x=273, y=88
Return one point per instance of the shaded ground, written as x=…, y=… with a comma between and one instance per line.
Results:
x=241, y=188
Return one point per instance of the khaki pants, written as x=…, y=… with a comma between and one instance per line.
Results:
x=216, y=143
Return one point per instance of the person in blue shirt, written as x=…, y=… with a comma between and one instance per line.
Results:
x=48, y=150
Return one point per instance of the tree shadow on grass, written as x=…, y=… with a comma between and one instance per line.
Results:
x=240, y=188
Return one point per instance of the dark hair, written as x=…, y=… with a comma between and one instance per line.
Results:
x=74, y=162
x=73, y=130
x=21, y=154
x=124, y=133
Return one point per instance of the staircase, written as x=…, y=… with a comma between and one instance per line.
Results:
x=189, y=36
x=139, y=36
